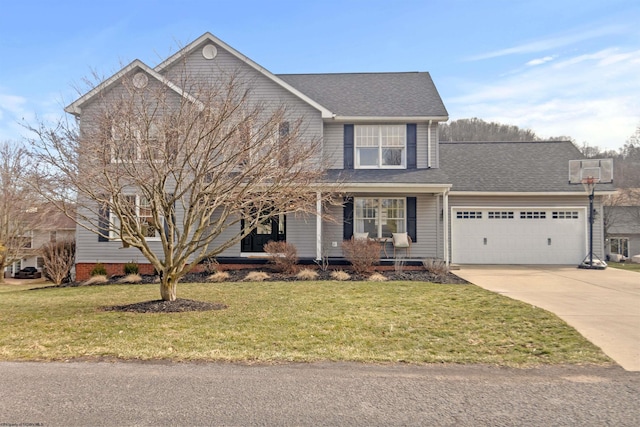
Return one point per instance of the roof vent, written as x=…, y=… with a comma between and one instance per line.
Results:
x=140, y=80
x=209, y=51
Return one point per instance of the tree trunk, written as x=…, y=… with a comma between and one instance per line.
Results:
x=168, y=287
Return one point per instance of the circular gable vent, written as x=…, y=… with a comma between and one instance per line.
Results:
x=140, y=80
x=209, y=51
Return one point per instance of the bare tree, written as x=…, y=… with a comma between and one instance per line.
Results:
x=59, y=258
x=171, y=169
x=17, y=214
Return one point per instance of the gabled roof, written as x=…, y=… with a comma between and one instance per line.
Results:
x=210, y=37
x=373, y=95
x=519, y=167
x=75, y=108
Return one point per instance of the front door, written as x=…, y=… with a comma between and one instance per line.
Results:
x=271, y=229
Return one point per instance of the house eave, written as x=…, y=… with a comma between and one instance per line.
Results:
x=388, y=119
x=391, y=188
x=526, y=193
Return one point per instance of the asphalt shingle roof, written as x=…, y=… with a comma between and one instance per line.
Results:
x=372, y=94
x=511, y=166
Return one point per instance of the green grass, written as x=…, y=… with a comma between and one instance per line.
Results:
x=412, y=322
x=625, y=265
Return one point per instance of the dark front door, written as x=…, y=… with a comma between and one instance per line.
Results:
x=271, y=229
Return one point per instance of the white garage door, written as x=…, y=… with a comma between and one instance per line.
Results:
x=518, y=236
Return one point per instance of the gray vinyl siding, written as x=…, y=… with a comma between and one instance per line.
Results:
x=428, y=244
x=579, y=201
x=301, y=232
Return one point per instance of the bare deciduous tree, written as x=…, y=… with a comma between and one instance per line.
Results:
x=17, y=219
x=172, y=169
x=59, y=258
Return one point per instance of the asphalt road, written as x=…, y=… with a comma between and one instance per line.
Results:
x=324, y=394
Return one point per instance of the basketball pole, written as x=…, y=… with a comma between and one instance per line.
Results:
x=601, y=264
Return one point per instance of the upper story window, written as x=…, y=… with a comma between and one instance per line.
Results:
x=380, y=146
x=137, y=211
x=133, y=144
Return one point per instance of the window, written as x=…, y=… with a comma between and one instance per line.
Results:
x=133, y=144
x=469, y=215
x=380, y=146
x=138, y=210
x=380, y=217
x=533, y=215
x=564, y=215
x=53, y=236
x=26, y=240
x=619, y=245
x=500, y=214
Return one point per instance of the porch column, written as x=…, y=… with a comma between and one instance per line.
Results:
x=445, y=224
x=318, y=226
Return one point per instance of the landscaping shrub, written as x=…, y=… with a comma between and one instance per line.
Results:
x=377, y=277
x=436, y=267
x=130, y=268
x=211, y=266
x=218, y=276
x=97, y=279
x=130, y=278
x=340, y=275
x=307, y=274
x=363, y=254
x=284, y=255
x=256, y=276
x=99, y=270
x=58, y=258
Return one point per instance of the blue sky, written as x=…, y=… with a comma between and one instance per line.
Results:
x=559, y=67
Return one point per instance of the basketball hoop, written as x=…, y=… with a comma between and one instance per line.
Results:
x=589, y=183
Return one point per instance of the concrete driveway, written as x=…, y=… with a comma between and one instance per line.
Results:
x=603, y=305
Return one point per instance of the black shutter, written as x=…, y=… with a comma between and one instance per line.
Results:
x=412, y=146
x=283, y=148
x=347, y=218
x=348, y=147
x=103, y=223
x=412, y=218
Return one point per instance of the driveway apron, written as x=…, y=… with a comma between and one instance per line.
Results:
x=603, y=305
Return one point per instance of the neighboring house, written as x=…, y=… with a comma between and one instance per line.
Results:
x=622, y=219
x=53, y=226
x=480, y=203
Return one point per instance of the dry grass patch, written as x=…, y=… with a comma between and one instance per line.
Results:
x=307, y=274
x=219, y=276
x=256, y=276
x=96, y=280
x=377, y=277
x=130, y=279
x=340, y=275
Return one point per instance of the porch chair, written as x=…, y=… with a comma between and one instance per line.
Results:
x=401, y=241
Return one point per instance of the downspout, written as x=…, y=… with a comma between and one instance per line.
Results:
x=318, y=226
x=429, y=145
x=445, y=219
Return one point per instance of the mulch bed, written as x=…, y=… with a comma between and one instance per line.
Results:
x=181, y=305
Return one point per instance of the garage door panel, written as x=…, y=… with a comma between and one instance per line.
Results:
x=519, y=236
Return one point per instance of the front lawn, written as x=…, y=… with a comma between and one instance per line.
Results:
x=413, y=322
x=631, y=266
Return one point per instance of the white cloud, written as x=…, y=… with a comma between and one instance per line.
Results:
x=594, y=98
x=550, y=43
x=540, y=61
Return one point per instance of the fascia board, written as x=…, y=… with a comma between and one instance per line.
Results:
x=208, y=36
x=75, y=108
x=524, y=193
x=390, y=188
x=402, y=119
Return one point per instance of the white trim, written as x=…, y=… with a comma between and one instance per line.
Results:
x=208, y=36
x=428, y=144
x=379, y=147
x=391, y=119
x=445, y=225
x=392, y=187
x=75, y=107
x=258, y=255
x=524, y=193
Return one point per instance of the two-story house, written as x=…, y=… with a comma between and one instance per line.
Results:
x=493, y=203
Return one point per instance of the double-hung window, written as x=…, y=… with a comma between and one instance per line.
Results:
x=380, y=146
x=380, y=217
x=136, y=213
x=619, y=245
x=135, y=143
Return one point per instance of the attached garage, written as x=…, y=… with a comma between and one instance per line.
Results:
x=518, y=235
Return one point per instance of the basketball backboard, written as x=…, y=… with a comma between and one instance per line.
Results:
x=601, y=170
